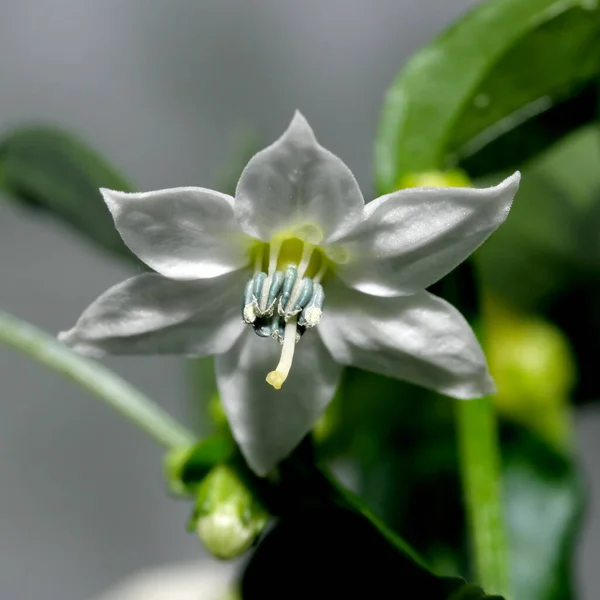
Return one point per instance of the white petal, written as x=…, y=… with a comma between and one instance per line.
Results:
x=414, y=237
x=182, y=233
x=296, y=183
x=150, y=314
x=421, y=339
x=267, y=423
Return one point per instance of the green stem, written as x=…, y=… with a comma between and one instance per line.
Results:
x=480, y=468
x=96, y=379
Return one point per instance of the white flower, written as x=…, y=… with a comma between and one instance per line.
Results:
x=322, y=279
x=193, y=581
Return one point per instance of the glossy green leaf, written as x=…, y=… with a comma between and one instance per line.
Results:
x=543, y=503
x=503, y=64
x=328, y=544
x=405, y=447
x=524, y=141
x=46, y=168
x=336, y=554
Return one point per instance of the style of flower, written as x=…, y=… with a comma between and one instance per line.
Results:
x=323, y=281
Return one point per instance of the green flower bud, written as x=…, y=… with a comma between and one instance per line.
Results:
x=534, y=369
x=451, y=178
x=228, y=516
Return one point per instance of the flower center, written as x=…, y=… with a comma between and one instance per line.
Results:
x=285, y=299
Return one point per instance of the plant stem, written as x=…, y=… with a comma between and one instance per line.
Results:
x=480, y=468
x=96, y=379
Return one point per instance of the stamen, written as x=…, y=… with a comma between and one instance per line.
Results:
x=311, y=315
x=277, y=377
x=302, y=267
x=258, y=260
x=321, y=272
x=274, y=289
x=305, y=259
x=305, y=294
x=277, y=328
x=259, y=284
x=298, y=299
x=289, y=282
x=274, y=249
x=249, y=303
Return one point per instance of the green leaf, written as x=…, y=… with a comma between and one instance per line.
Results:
x=505, y=63
x=404, y=445
x=549, y=243
x=532, y=258
x=543, y=504
x=405, y=449
x=46, y=168
x=525, y=140
x=335, y=553
x=328, y=544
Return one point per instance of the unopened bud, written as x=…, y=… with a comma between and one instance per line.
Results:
x=450, y=178
x=534, y=369
x=228, y=517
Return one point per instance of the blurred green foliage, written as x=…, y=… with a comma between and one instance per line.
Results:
x=48, y=169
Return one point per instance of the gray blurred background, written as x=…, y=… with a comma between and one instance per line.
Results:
x=163, y=89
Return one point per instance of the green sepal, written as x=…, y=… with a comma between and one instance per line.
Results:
x=185, y=468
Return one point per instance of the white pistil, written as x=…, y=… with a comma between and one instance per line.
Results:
x=274, y=249
x=279, y=375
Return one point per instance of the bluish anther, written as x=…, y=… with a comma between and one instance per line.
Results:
x=311, y=314
x=289, y=279
x=249, y=303
x=274, y=289
x=259, y=281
